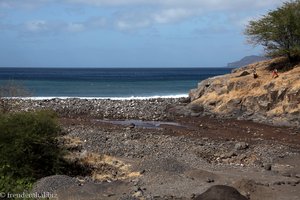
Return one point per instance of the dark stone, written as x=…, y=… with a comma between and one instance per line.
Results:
x=195, y=114
x=131, y=125
x=240, y=85
x=52, y=183
x=244, y=73
x=213, y=103
x=267, y=167
x=281, y=94
x=234, y=103
x=196, y=108
x=256, y=84
x=221, y=192
x=274, y=96
x=185, y=100
x=210, y=180
x=294, y=97
x=269, y=86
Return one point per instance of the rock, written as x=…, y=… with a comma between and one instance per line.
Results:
x=244, y=73
x=210, y=180
x=269, y=86
x=195, y=114
x=241, y=146
x=203, y=86
x=228, y=155
x=221, y=192
x=193, y=196
x=196, y=108
x=234, y=105
x=138, y=194
x=281, y=93
x=267, y=166
x=230, y=86
x=294, y=96
x=52, y=183
x=236, y=94
x=287, y=174
x=131, y=126
x=279, y=183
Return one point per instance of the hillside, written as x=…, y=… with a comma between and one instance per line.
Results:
x=246, y=61
x=265, y=99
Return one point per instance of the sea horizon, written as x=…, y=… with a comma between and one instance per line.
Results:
x=108, y=83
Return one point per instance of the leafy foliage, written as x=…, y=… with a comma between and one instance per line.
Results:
x=278, y=31
x=28, y=149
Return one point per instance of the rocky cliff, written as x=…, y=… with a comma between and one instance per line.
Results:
x=246, y=61
x=264, y=99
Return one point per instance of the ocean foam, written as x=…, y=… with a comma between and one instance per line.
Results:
x=109, y=98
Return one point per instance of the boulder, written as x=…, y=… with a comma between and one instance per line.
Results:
x=264, y=99
x=196, y=108
x=52, y=183
x=244, y=73
x=241, y=146
x=221, y=192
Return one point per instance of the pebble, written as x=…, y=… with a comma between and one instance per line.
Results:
x=241, y=146
x=267, y=167
x=138, y=194
x=210, y=180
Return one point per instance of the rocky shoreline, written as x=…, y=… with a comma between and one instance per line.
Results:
x=167, y=161
x=263, y=99
x=148, y=109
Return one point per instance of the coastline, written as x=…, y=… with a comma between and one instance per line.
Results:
x=175, y=96
x=164, y=148
x=144, y=109
x=169, y=161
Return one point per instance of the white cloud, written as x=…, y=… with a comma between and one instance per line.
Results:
x=42, y=27
x=205, y=5
x=136, y=14
x=184, y=4
x=171, y=15
x=127, y=25
x=75, y=27
x=25, y=4
x=36, y=26
x=136, y=20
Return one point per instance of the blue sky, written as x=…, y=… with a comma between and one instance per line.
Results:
x=126, y=33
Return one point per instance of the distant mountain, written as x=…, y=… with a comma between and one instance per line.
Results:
x=246, y=61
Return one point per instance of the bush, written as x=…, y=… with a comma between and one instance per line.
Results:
x=278, y=31
x=28, y=149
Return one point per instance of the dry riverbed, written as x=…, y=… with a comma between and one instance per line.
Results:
x=177, y=159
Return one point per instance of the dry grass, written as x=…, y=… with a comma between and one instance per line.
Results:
x=108, y=167
x=71, y=143
x=247, y=86
x=276, y=111
x=102, y=167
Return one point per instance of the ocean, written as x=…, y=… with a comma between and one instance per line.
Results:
x=119, y=83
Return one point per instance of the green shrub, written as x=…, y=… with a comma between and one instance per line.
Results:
x=28, y=149
x=278, y=31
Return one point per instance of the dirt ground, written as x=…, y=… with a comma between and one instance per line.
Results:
x=182, y=161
